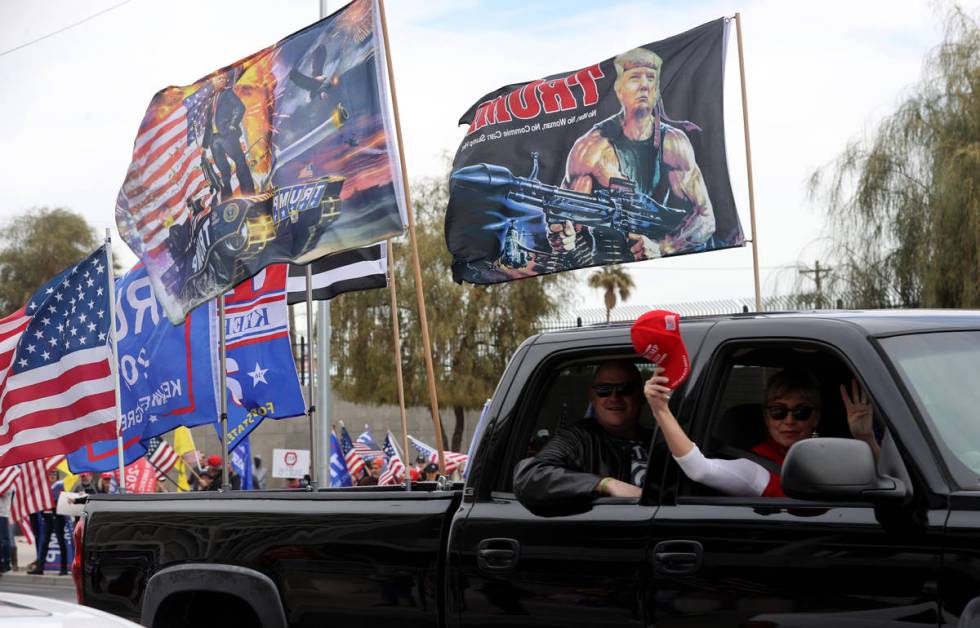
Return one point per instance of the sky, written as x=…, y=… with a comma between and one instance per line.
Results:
x=819, y=74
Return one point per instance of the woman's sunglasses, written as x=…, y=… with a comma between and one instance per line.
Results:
x=624, y=390
x=778, y=412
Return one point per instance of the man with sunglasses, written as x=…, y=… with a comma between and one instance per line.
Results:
x=791, y=414
x=605, y=455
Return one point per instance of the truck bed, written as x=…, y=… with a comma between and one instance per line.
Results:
x=335, y=555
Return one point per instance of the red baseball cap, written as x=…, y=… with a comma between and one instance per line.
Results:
x=214, y=461
x=656, y=336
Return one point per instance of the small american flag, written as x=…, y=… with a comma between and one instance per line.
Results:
x=454, y=461
x=368, y=447
x=57, y=390
x=161, y=455
x=353, y=459
x=394, y=473
x=32, y=492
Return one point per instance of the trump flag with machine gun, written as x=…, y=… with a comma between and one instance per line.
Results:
x=620, y=161
x=286, y=155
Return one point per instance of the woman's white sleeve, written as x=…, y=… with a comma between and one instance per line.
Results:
x=740, y=477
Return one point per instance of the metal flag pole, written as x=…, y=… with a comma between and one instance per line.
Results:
x=322, y=446
x=419, y=290
x=397, y=343
x=223, y=393
x=748, y=164
x=115, y=360
x=309, y=382
x=323, y=331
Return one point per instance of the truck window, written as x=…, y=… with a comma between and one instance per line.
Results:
x=559, y=399
x=939, y=369
x=731, y=424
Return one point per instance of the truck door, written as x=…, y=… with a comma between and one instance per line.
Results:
x=773, y=561
x=509, y=565
x=938, y=371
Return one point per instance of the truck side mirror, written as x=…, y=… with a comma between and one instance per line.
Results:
x=830, y=469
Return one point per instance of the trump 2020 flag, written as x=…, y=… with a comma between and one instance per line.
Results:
x=339, y=475
x=56, y=378
x=262, y=380
x=621, y=161
x=167, y=373
x=285, y=155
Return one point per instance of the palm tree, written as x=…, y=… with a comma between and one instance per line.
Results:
x=610, y=279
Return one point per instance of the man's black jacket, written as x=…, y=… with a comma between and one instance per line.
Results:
x=569, y=466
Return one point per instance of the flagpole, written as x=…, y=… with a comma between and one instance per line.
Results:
x=423, y=320
x=309, y=374
x=748, y=164
x=115, y=360
x=397, y=343
x=223, y=394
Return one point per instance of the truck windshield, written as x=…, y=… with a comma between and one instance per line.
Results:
x=940, y=370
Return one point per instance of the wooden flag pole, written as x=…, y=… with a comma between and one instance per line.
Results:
x=748, y=164
x=397, y=342
x=115, y=361
x=423, y=320
x=223, y=393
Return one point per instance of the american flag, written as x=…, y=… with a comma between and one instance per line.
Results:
x=32, y=491
x=352, y=458
x=165, y=173
x=454, y=461
x=367, y=446
x=57, y=390
x=160, y=454
x=394, y=473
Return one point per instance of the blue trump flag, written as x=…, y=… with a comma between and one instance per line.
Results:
x=166, y=373
x=241, y=463
x=262, y=380
x=339, y=476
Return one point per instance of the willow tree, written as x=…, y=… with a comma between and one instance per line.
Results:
x=474, y=329
x=36, y=246
x=904, y=204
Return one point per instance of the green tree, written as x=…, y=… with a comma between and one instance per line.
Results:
x=474, y=329
x=904, y=205
x=612, y=279
x=36, y=246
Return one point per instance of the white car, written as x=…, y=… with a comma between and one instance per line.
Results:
x=30, y=610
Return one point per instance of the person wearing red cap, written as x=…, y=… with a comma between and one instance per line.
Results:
x=601, y=456
x=105, y=483
x=791, y=413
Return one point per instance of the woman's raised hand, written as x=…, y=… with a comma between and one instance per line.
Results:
x=860, y=415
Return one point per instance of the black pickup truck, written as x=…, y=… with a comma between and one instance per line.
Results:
x=861, y=543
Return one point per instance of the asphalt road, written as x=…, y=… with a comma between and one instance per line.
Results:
x=56, y=590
